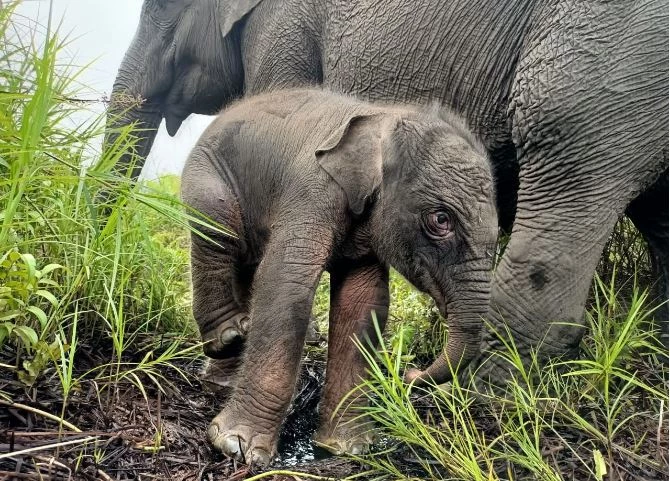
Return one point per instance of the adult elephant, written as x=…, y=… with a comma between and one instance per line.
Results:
x=569, y=97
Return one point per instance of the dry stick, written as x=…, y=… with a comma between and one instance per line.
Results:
x=15, y=475
x=659, y=456
x=47, y=446
x=41, y=413
x=289, y=473
x=103, y=475
x=39, y=434
x=100, y=472
x=51, y=461
x=48, y=464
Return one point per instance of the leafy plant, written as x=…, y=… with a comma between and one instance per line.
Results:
x=23, y=292
x=23, y=289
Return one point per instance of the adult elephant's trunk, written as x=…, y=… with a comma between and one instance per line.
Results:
x=126, y=108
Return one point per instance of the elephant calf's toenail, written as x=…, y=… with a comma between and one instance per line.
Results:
x=260, y=458
x=336, y=447
x=356, y=449
x=411, y=374
x=229, y=335
x=232, y=446
x=212, y=432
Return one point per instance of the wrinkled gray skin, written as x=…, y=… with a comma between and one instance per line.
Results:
x=314, y=181
x=569, y=97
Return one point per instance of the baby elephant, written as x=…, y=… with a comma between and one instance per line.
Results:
x=313, y=181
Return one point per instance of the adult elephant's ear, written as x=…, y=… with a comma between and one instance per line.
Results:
x=352, y=156
x=232, y=11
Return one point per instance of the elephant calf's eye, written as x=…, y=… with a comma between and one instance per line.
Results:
x=439, y=224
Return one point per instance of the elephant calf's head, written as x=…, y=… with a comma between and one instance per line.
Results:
x=429, y=187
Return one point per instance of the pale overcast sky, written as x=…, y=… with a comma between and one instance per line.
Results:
x=102, y=30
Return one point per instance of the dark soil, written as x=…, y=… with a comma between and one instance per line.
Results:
x=118, y=426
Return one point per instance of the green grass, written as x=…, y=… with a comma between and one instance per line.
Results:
x=597, y=417
x=75, y=272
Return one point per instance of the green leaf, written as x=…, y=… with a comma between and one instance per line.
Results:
x=33, y=368
x=49, y=268
x=6, y=329
x=48, y=296
x=601, y=467
x=31, y=264
x=47, y=282
x=27, y=335
x=10, y=315
x=39, y=313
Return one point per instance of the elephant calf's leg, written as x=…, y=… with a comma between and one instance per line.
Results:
x=219, y=308
x=219, y=291
x=219, y=373
x=221, y=315
x=283, y=291
x=220, y=295
x=355, y=292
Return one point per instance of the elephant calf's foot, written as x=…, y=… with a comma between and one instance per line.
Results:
x=239, y=438
x=227, y=338
x=219, y=375
x=312, y=336
x=346, y=439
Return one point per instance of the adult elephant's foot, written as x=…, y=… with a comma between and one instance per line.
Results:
x=312, y=336
x=346, y=438
x=489, y=374
x=240, y=438
x=227, y=337
x=219, y=375
x=511, y=356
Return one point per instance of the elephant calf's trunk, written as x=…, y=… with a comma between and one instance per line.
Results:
x=461, y=348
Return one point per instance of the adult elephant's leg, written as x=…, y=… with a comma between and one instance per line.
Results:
x=590, y=116
x=541, y=284
x=355, y=291
x=649, y=213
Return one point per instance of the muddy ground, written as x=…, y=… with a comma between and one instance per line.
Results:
x=121, y=425
x=118, y=426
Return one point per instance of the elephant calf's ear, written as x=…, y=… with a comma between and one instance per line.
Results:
x=352, y=156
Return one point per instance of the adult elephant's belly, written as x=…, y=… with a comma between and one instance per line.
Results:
x=453, y=52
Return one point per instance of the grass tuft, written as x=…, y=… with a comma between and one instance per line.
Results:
x=77, y=276
x=597, y=417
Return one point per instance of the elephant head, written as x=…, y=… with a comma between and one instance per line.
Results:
x=185, y=58
x=429, y=188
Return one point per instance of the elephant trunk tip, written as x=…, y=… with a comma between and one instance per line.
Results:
x=173, y=123
x=412, y=374
x=420, y=378
x=456, y=357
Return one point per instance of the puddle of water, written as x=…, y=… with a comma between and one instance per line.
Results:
x=295, y=442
